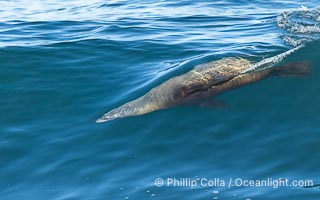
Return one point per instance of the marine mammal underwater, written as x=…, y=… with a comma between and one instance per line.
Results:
x=205, y=80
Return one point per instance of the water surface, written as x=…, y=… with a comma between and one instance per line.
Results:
x=66, y=63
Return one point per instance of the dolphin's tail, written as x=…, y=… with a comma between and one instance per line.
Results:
x=295, y=69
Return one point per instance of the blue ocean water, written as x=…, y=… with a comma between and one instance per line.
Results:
x=65, y=63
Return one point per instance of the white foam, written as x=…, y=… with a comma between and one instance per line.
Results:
x=303, y=8
x=302, y=25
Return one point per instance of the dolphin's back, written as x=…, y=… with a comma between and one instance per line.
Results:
x=207, y=75
x=222, y=69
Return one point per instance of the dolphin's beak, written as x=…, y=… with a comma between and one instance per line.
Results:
x=122, y=111
x=153, y=100
x=139, y=106
x=105, y=118
x=100, y=120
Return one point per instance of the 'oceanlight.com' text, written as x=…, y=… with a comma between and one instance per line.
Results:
x=231, y=182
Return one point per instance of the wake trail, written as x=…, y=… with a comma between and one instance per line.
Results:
x=270, y=62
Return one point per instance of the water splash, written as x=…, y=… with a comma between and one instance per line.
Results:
x=270, y=62
x=301, y=25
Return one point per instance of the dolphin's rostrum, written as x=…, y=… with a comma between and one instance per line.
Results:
x=203, y=81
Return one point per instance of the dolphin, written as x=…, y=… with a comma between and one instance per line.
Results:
x=205, y=80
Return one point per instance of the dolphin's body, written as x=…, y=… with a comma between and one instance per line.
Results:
x=205, y=80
